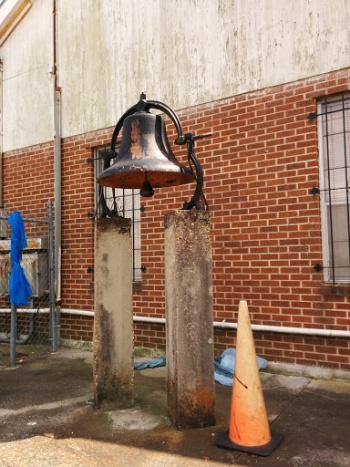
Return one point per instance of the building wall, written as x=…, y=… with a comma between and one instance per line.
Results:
x=259, y=167
x=182, y=52
x=28, y=180
x=250, y=75
x=27, y=57
x=189, y=52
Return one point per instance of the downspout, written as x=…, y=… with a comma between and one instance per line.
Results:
x=57, y=160
x=1, y=136
x=3, y=211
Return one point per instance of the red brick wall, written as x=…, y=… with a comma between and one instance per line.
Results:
x=28, y=180
x=77, y=328
x=259, y=167
x=77, y=226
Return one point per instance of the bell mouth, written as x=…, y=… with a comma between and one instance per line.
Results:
x=137, y=178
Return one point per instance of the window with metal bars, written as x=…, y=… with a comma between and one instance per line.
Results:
x=119, y=202
x=333, y=116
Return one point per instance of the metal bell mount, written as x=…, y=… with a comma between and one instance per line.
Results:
x=145, y=160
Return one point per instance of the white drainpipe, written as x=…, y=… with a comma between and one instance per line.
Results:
x=289, y=330
x=224, y=325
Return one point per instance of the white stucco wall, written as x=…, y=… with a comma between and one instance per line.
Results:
x=181, y=52
x=27, y=83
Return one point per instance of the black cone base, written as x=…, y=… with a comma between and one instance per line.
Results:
x=264, y=450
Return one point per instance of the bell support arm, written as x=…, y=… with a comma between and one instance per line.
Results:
x=195, y=201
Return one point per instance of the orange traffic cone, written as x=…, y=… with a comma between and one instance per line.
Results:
x=249, y=428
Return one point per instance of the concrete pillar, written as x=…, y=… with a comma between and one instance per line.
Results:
x=113, y=344
x=189, y=321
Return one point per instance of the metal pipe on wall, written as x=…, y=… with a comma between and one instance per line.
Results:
x=289, y=330
x=224, y=325
x=57, y=159
x=54, y=324
x=1, y=136
x=263, y=328
x=13, y=337
x=26, y=310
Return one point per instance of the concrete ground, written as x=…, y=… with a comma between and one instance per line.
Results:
x=47, y=419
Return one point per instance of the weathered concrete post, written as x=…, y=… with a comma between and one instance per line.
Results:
x=189, y=321
x=113, y=344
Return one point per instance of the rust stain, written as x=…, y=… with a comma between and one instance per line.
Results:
x=194, y=409
x=136, y=149
x=36, y=243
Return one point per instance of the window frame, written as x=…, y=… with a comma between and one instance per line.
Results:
x=333, y=195
x=129, y=207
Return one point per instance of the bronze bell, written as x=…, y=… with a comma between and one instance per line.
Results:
x=145, y=159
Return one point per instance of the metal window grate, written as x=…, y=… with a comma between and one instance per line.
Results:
x=119, y=202
x=334, y=143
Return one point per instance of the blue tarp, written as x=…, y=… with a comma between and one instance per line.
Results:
x=224, y=366
x=152, y=364
x=19, y=286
